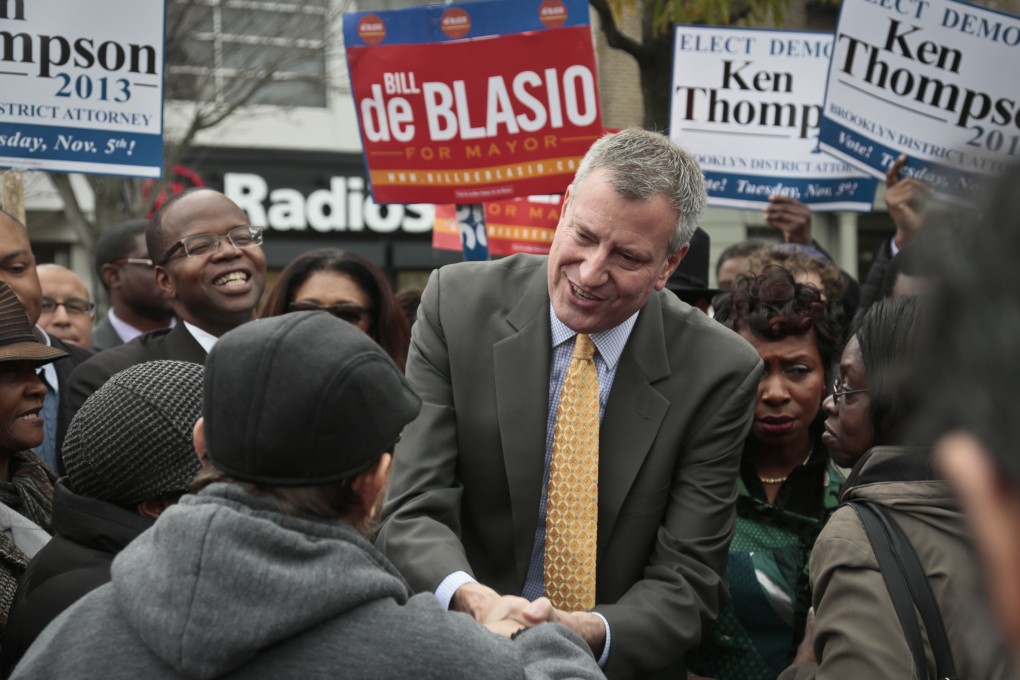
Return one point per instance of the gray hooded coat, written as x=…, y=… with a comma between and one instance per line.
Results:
x=223, y=585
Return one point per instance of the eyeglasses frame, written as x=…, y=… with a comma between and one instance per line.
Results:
x=256, y=233
x=141, y=261
x=838, y=393
x=91, y=307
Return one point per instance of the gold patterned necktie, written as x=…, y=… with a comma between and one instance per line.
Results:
x=572, y=506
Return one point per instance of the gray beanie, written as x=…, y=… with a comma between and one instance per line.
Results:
x=302, y=399
x=131, y=440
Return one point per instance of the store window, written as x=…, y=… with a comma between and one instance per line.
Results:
x=249, y=51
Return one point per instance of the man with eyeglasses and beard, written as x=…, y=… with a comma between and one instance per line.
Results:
x=209, y=263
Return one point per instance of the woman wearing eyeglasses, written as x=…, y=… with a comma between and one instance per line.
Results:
x=856, y=633
x=347, y=286
x=872, y=399
x=787, y=487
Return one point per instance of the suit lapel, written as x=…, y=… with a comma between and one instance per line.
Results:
x=104, y=336
x=633, y=415
x=182, y=346
x=521, y=367
x=64, y=365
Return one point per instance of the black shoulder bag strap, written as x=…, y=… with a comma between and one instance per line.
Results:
x=908, y=587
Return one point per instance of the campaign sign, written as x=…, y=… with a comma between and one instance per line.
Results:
x=81, y=86
x=517, y=225
x=933, y=79
x=464, y=104
x=747, y=104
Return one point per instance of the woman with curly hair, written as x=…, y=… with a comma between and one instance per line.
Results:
x=347, y=286
x=806, y=264
x=787, y=487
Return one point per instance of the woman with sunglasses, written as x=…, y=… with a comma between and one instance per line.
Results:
x=787, y=487
x=347, y=286
x=856, y=632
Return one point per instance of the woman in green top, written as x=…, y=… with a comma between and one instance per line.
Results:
x=787, y=486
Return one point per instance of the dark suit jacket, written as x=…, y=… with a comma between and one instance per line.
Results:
x=104, y=336
x=172, y=343
x=467, y=475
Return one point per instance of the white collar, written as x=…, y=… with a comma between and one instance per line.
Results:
x=206, y=340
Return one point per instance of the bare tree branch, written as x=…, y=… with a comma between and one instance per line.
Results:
x=72, y=210
x=614, y=36
x=654, y=54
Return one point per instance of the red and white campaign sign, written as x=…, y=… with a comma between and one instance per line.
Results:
x=483, y=102
x=517, y=225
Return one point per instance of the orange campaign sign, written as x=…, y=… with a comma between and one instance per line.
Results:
x=517, y=225
x=488, y=101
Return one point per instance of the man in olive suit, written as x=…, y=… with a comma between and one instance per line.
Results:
x=466, y=515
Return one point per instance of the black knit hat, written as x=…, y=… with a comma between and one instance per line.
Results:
x=302, y=399
x=17, y=342
x=131, y=440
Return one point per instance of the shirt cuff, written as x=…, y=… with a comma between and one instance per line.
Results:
x=449, y=586
x=893, y=248
x=609, y=638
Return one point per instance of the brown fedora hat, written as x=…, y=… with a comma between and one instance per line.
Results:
x=17, y=342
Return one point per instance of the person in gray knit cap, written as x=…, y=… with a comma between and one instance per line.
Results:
x=128, y=455
x=266, y=572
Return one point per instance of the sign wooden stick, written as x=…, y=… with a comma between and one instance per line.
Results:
x=12, y=193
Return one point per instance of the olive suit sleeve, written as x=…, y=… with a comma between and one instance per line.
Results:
x=425, y=488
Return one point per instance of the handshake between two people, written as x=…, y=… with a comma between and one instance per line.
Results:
x=508, y=614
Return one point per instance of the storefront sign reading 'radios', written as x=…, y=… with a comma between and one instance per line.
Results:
x=492, y=100
x=342, y=207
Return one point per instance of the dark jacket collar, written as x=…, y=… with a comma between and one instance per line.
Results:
x=93, y=523
x=891, y=464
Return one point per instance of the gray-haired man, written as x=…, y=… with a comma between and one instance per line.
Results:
x=471, y=507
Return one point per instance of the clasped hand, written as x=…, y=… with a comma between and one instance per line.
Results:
x=507, y=614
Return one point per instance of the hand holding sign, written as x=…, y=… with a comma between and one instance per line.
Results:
x=791, y=217
x=906, y=198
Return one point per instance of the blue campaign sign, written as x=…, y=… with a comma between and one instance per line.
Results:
x=459, y=21
x=474, y=240
x=734, y=189
x=80, y=92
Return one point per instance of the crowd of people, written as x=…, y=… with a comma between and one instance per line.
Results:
x=541, y=466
